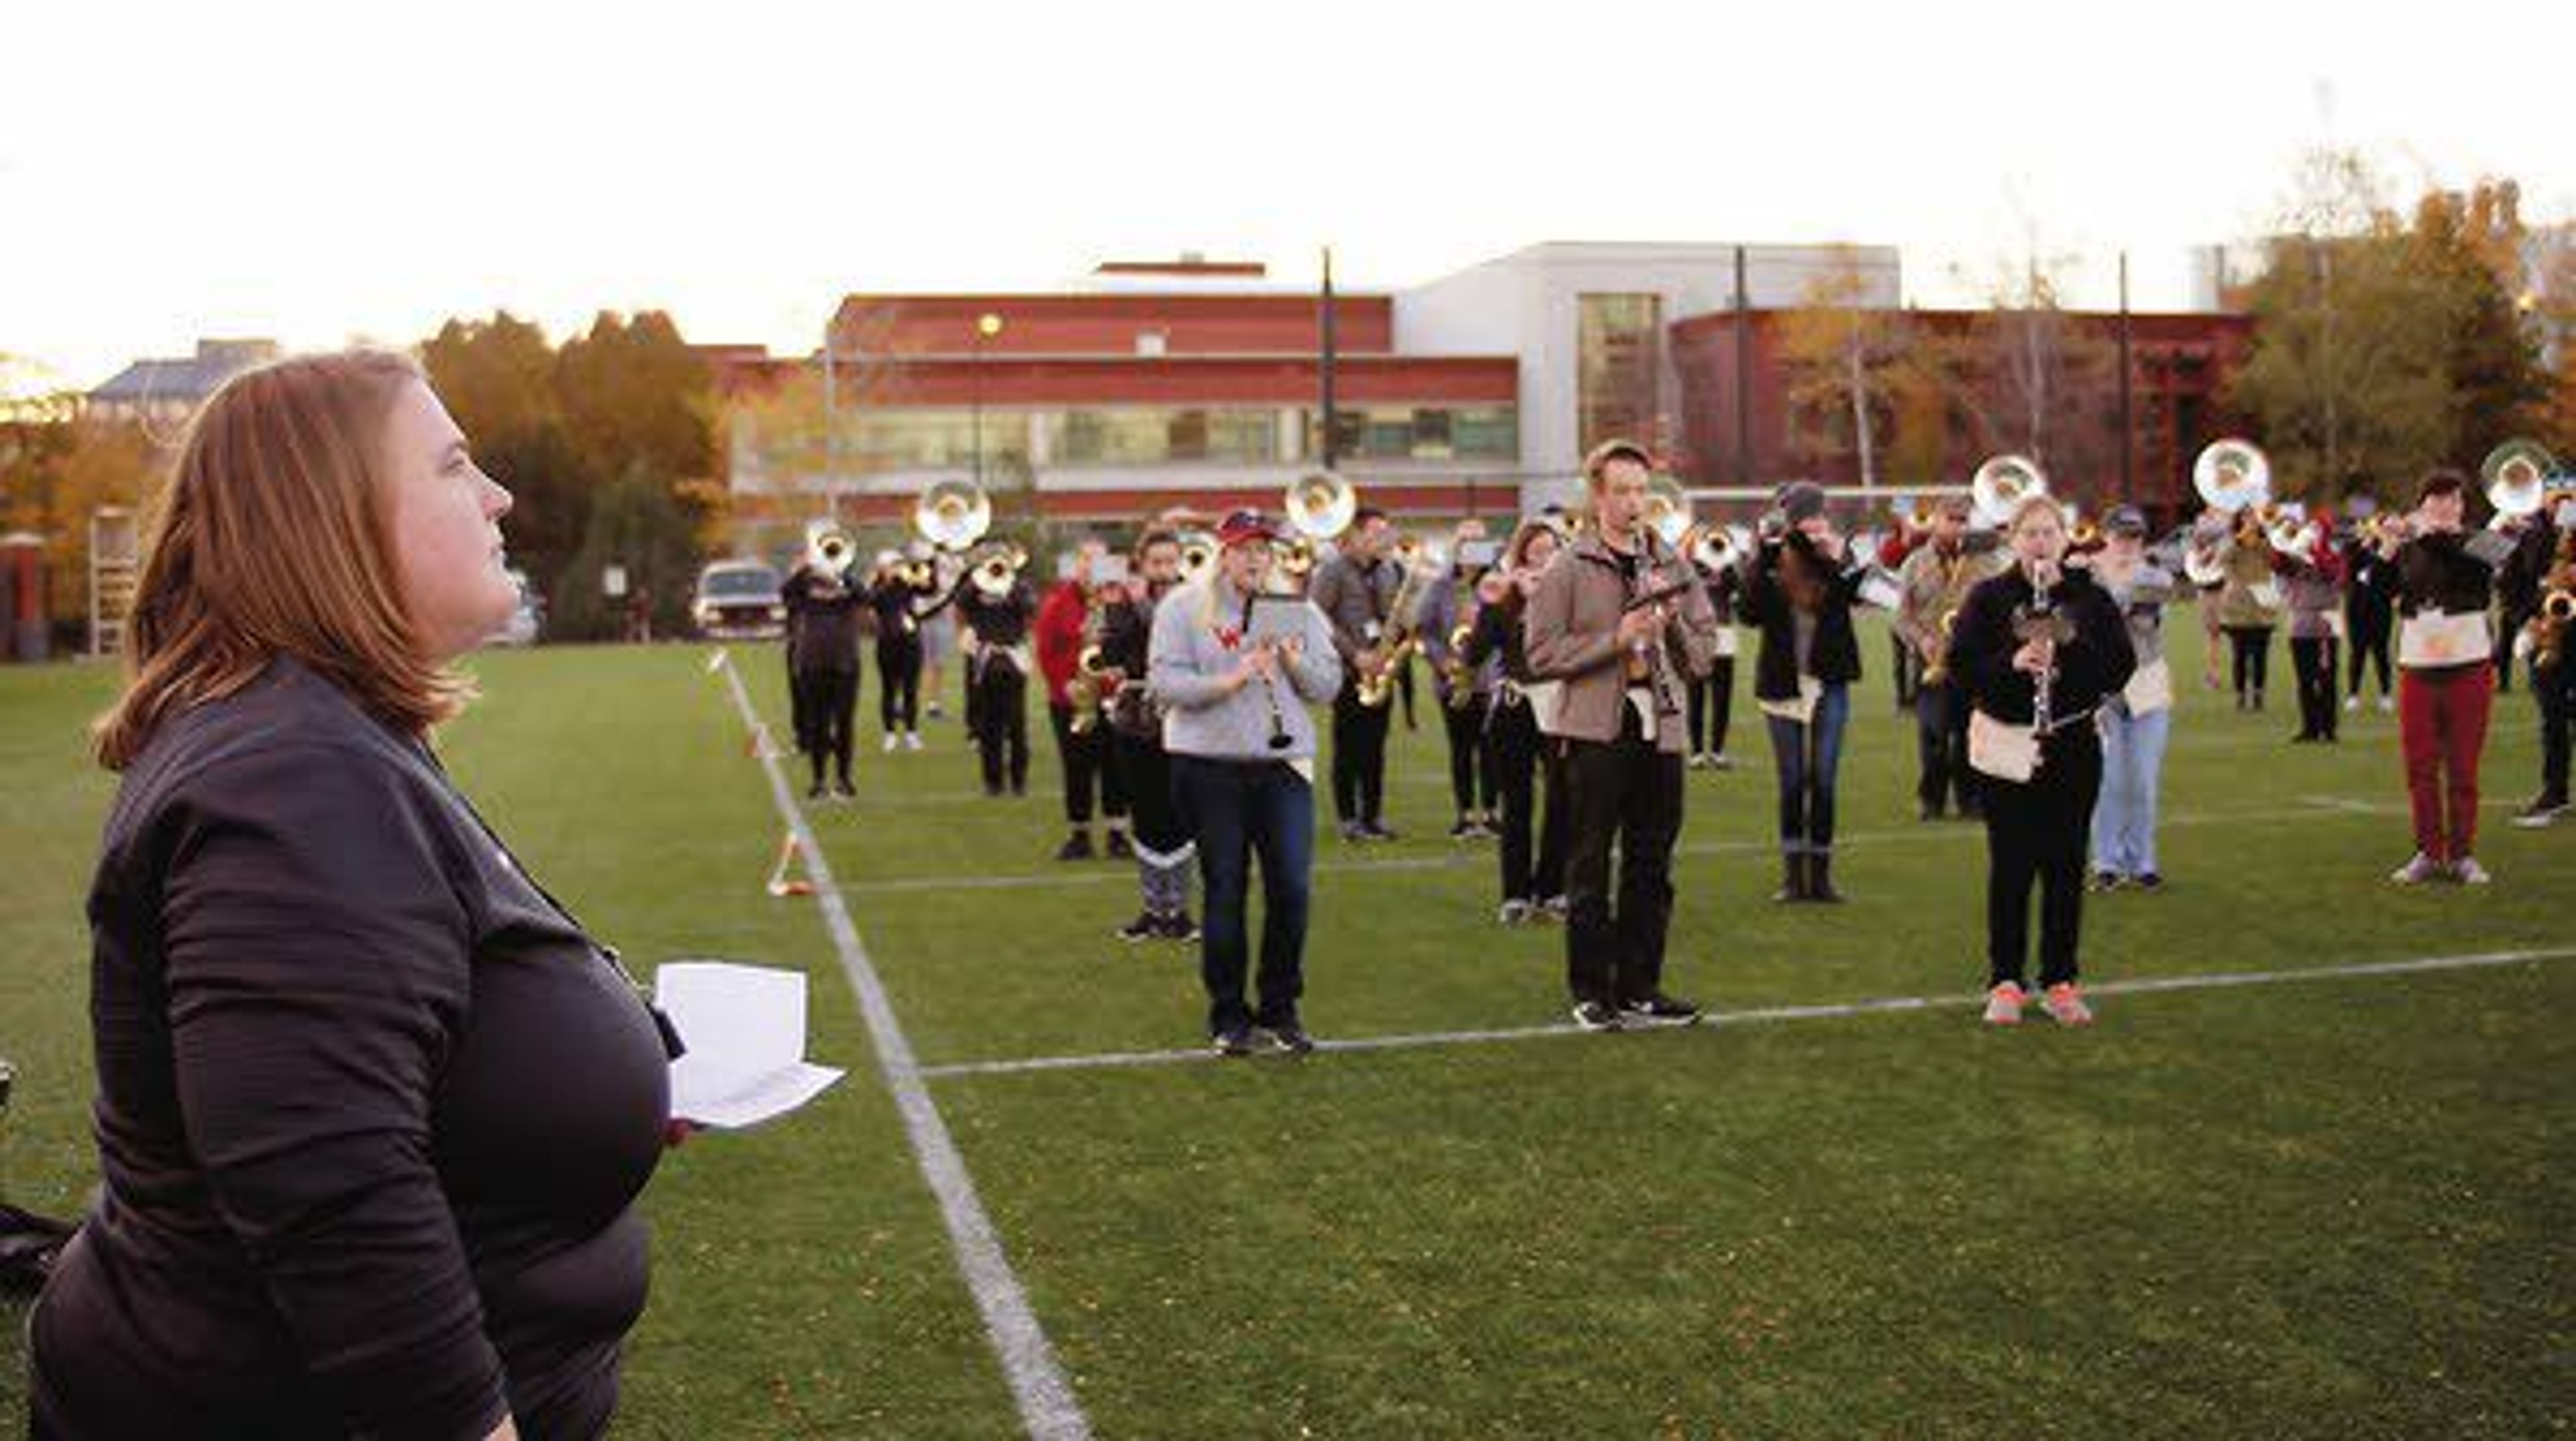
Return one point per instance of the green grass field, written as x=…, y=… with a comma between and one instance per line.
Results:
x=2336, y=1208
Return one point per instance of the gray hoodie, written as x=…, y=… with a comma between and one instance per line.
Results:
x=1196, y=645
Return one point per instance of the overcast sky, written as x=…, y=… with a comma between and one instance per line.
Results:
x=315, y=172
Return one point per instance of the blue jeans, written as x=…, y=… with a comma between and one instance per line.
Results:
x=1239, y=810
x=1806, y=764
x=2133, y=764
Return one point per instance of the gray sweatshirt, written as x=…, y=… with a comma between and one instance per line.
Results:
x=1196, y=646
x=2141, y=601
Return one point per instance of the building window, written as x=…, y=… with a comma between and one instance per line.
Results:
x=915, y=439
x=1383, y=433
x=1154, y=437
x=1618, y=366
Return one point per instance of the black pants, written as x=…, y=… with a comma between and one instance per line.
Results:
x=2253, y=649
x=899, y=683
x=1712, y=708
x=2313, y=660
x=1471, y=765
x=1000, y=717
x=824, y=702
x=1907, y=667
x=2554, y=687
x=1147, y=772
x=1089, y=763
x=2036, y=831
x=1941, y=749
x=1359, y=758
x=1522, y=759
x=2370, y=647
x=1629, y=792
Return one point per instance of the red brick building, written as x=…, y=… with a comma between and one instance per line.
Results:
x=1946, y=397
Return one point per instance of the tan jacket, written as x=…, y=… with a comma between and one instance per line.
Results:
x=1931, y=589
x=1571, y=634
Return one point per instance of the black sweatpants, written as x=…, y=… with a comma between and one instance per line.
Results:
x=2313, y=661
x=899, y=683
x=1712, y=708
x=2036, y=832
x=1522, y=758
x=1471, y=765
x=1941, y=748
x=2252, y=645
x=1089, y=763
x=825, y=703
x=1000, y=716
x=1147, y=770
x=1359, y=758
x=1629, y=793
x=2554, y=688
x=2370, y=634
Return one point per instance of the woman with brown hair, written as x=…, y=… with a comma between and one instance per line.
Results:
x=373, y=1109
x=1526, y=768
x=1800, y=594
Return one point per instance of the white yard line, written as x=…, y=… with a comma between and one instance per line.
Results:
x=1771, y=1014
x=1046, y=1402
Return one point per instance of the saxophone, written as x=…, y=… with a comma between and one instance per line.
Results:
x=2557, y=605
x=1089, y=689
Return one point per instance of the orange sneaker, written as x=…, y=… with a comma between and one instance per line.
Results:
x=2003, y=1005
x=2065, y=1007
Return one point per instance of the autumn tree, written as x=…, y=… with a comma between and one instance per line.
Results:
x=1839, y=351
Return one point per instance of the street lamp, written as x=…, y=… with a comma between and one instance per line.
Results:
x=987, y=325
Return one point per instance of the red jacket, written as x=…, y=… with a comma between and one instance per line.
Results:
x=1059, y=636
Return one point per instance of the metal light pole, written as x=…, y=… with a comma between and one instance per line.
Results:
x=987, y=326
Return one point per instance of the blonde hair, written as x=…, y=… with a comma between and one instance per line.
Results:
x=274, y=538
x=2023, y=507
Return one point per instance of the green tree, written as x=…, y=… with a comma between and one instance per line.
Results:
x=640, y=524
x=1839, y=353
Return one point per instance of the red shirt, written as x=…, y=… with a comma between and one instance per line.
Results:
x=1059, y=636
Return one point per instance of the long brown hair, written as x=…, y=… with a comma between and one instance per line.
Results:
x=274, y=537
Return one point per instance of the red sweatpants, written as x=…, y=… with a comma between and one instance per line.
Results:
x=2442, y=726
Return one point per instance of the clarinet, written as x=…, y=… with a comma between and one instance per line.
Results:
x=1642, y=587
x=2043, y=611
x=1279, y=740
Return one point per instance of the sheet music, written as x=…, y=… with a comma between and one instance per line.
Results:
x=744, y=1027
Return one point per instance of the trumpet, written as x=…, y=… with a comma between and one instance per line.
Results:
x=1092, y=681
x=1715, y=548
x=1668, y=509
x=2291, y=532
x=999, y=570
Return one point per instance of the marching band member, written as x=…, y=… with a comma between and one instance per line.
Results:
x=1135, y=723
x=1243, y=759
x=2369, y=610
x=1517, y=735
x=1607, y=620
x=823, y=611
x=992, y=603
x=1800, y=595
x=1905, y=663
x=1712, y=697
x=938, y=633
x=2039, y=648
x=1933, y=582
x=2138, y=719
x=1068, y=620
x=2209, y=535
x=2553, y=670
x=2445, y=674
x=1465, y=690
x=2312, y=584
x=895, y=593
x=2249, y=608
x=1356, y=592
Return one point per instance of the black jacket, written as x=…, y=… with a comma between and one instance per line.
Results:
x=823, y=613
x=373, y=1109
x=2093, y=662
x=1833, y=656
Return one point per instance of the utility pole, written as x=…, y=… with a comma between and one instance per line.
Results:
x=1331, y=445
x=2128, y=443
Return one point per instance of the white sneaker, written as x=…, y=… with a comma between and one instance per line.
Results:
x=2386, y=705
x=891, y=741
x=2416, y=871
x=2003, y=1005
x=1514, y=913
x=912, y=740
x=2352, y=702
x=2468, y=872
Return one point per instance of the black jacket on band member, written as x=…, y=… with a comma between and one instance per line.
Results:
x=2092, y=664
x=1833, y=655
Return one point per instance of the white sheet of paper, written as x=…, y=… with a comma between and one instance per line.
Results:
x=744, y=1027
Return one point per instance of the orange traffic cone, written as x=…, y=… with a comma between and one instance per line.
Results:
x=779, y=884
